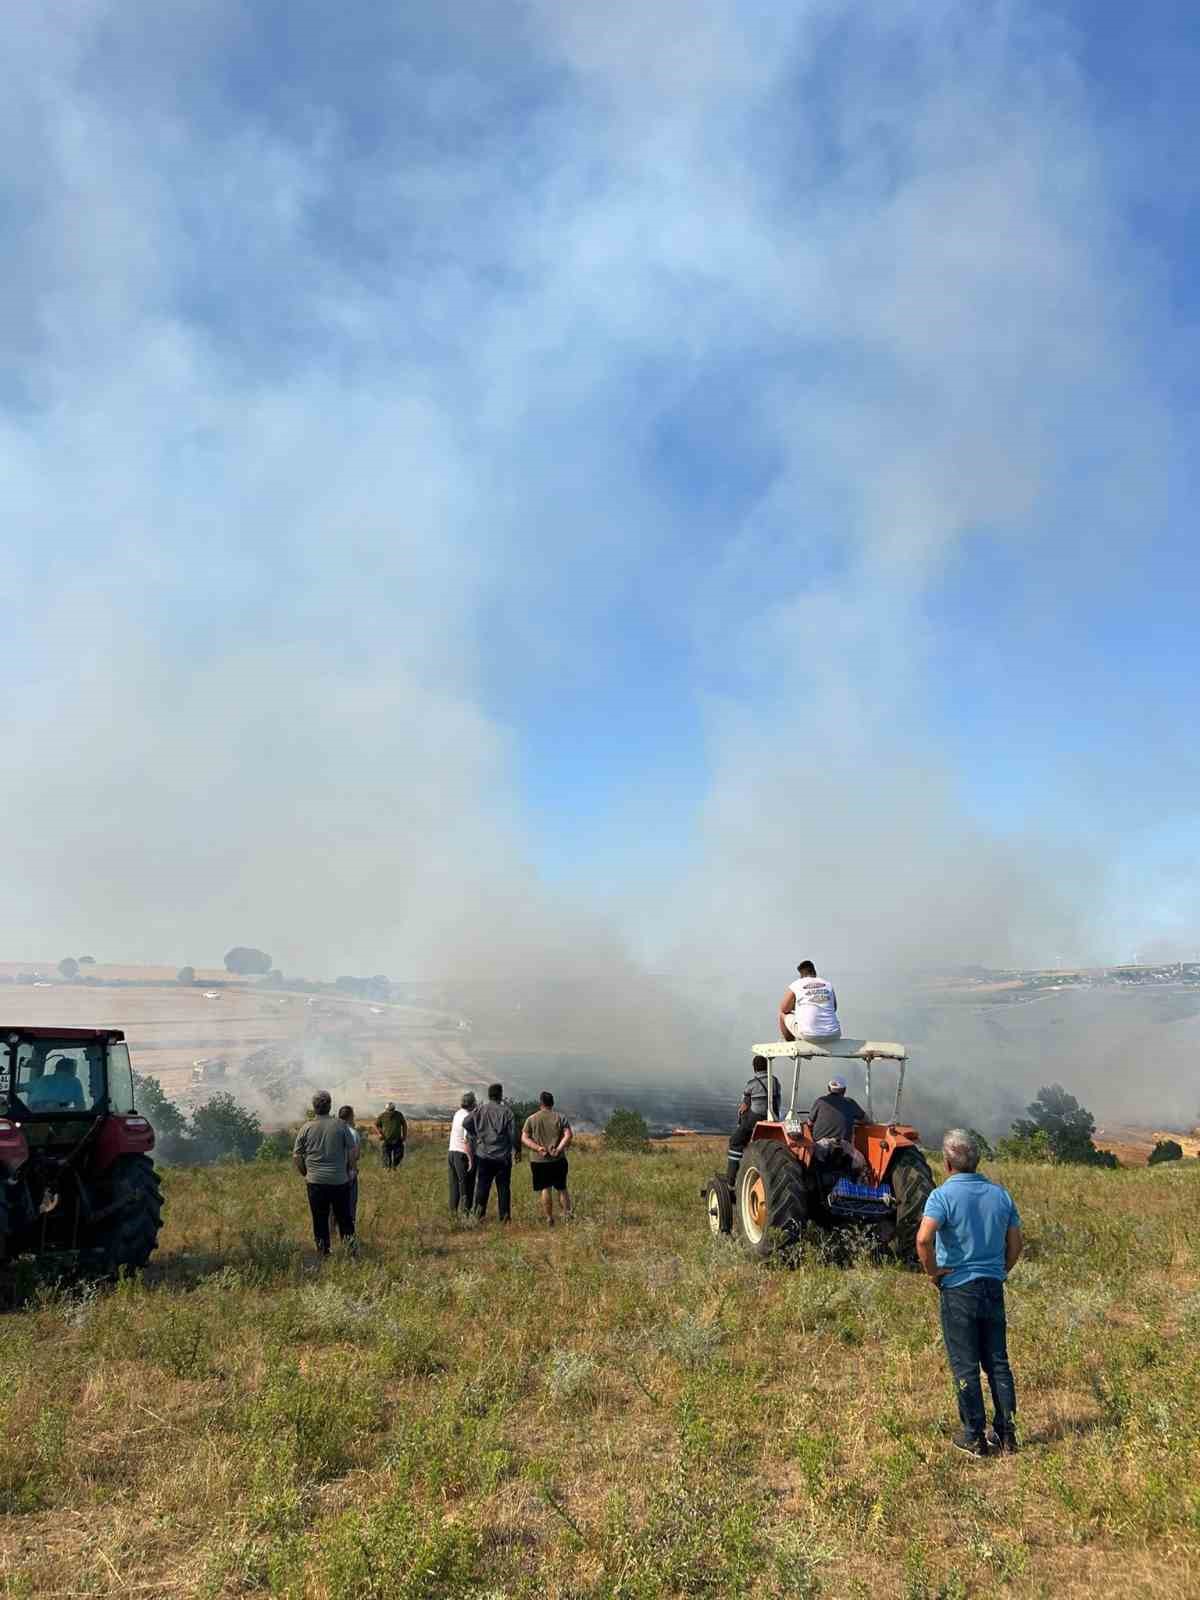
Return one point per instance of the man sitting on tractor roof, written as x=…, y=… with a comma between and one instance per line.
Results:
x=751, y=1111
x=808, y=1009
x=833, y=1117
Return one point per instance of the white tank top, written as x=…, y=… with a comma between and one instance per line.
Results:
x=816, y=1007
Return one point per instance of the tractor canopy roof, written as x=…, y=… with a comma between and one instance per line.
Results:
x=81, y=1035
x=858, y=1049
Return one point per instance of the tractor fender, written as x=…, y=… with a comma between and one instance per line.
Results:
x=127, y=1135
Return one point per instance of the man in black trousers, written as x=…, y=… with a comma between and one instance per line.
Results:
x=326, y=1157
x=495, y=1132
x=751, y=1111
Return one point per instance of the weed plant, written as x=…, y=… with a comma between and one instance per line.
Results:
x=619, y=1409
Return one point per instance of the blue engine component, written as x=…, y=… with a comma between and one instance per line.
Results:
x=850, y=1199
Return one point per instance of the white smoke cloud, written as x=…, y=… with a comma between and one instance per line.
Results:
x=334, y=439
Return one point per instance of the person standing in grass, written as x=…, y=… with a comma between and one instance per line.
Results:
x=495, y=1130
x=547, y=1135
x=346, y=1115
x=393, y=1131
x=326, y=1157
x=968, y=1242
x=460, y=1161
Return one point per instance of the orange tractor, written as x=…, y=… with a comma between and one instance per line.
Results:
x=786, y=1183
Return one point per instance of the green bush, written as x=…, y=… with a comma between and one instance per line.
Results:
x=163, y=1115
x=222, y=1129
x=1033, y=1147
x=1165, y=1150
x=627, y=1130
x=275, y=1146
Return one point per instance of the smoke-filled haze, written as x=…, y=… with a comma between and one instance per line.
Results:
x=571, y=491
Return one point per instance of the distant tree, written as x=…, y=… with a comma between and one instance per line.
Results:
x=1165, y=1150
x=186, y=975
x=985, y=1149
x=223, y=1130
x=164, y=1116
x=273, y=979
x=1068, y=1127
x=627, y=1130
x=69, y=967
x=87, y=961
x=246, y=961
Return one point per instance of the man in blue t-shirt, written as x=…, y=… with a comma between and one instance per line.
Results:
x=968, y=1242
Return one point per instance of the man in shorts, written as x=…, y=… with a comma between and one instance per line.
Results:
x=808, y=1009
x=546, y=1135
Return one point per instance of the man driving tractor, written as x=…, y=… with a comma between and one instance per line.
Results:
x=833, y=1118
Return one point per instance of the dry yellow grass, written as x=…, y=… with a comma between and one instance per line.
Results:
x=624, y=1407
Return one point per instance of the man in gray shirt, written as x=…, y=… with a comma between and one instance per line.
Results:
x=751, y=1111
x=494, y=1130
x=326, y=1156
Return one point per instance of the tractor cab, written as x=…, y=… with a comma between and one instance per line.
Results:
x=788, y=1181
x=74, y=1152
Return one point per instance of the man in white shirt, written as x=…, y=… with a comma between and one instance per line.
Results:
x=809, y=1009
x=461, y=1158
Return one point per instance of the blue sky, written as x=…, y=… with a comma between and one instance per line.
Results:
x=520, y=476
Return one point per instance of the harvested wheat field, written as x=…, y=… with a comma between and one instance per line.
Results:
x=625, y=1406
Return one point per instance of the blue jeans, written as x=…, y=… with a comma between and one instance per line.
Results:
x=975, y=1334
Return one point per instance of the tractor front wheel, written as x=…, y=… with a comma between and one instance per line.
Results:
x=912, y=1184
x=718, y=1202
x=129, y=1234
x=772, y=1205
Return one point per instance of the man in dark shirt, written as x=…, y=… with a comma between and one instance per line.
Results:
x=393, y=1131
x=751, y=1111
x=833, y=1117
x=494, y=1130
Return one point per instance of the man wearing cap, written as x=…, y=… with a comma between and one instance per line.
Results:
x=393, y=1130
x=461, y=1159
x=751, y=1111
x=808, y=1009
x=833, y=1118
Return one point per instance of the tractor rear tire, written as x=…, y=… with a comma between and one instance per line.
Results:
x=718, y=1202
x=912, y=1184
x=130, y=1235
x=772, y=1205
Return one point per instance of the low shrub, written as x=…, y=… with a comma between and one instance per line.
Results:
x=627, y=1130
x=1165, y=1150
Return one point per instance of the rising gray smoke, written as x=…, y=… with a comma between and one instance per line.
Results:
x=311, y=529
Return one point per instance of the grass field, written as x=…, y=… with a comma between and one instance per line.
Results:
x=623, y=1407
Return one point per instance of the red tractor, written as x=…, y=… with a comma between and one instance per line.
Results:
x=74, y=1153
x=786, y=1183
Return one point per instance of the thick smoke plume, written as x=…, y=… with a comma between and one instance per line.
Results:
x=641, y=398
